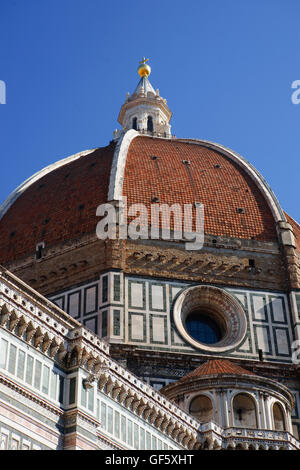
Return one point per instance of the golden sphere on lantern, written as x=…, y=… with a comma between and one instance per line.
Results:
x=144, y=69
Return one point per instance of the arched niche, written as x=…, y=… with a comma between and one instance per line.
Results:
x=201, y=407
x=278, y=417
x=244, y=411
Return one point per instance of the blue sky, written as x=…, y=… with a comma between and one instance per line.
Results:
x=225, y=66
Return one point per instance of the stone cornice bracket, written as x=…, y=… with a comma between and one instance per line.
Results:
x=285, y=233
x=13, y=320
x=287, y=240
x=135, y=402
x=164, y=423
x=141, y=407
x=101, y=377
x=54, y=347
x=38, y=337
x=4, y=314
x=128, y=400
x=116, y=390
x=30, y=331
x=159, y=419
x=89, y=381
x=153, y=415
x=123, y=394
x=147, y=411
x=61, y=352
x=47, y=340
x=21, y=326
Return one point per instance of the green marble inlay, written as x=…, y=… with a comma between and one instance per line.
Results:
x=117, y=281
x=297, y=297
x=134, y=335
x=116, y=323
x=105, y=289
x=165, y=332
x=152, y=286
x=131, y=303
x=72, y=390
x=104, y=323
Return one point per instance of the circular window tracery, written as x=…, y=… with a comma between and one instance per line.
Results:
x=209, y=318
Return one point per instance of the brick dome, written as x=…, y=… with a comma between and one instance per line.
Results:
x=57, y=207
x=184, y=172
x=60, y=204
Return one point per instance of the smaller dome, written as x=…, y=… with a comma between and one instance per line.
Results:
x=217, y=367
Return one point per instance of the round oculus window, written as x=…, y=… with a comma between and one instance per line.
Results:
x=209, y=318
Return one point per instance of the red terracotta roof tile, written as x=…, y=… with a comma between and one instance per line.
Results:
x=210, y=178
x=60, y=206
x=217, y=367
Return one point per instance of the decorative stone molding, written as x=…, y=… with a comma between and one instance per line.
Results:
x=71, y=347
x=217, y=266
x=31, y=395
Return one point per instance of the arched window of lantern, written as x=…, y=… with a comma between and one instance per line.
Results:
x=134, y=123
x=244, y=411
x=201, y=407
x=150, y=124
x=278, y=417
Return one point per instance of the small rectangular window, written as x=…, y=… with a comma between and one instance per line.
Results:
x=142, y=439
x=103, y=415
x=12, y=359
x=53, y=386
x=91, y=399
x=116, y=287
x=104, y=323
x=123, y=428
x=29, y=370
x=46, y=377
x=136, y=436
x=72, y=390
x=148, y=440
x=83, y=396
x=116, y=322
x=3, y=353
x=21, y=364
x=98, y=409
x=117, y=424
x=129, y=432
x=104, y=289
x=61, y=389
x=37, y=374
x=109, y=419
